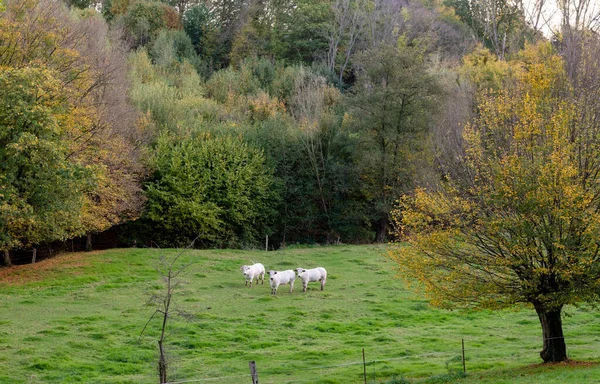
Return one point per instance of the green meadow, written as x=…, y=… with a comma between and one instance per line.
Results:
x=78, y=318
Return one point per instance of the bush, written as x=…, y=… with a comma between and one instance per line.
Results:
x=215, y=187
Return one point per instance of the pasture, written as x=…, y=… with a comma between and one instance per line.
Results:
x=77, y=318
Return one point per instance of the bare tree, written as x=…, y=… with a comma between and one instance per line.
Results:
x=579, y=14
x=554, y=17
x=384, y=23
x=579, y=26
x=500, y=21
x=537, y=14
x=169, y=269
x=308, y=109
x=447, y=131
x=350, y=20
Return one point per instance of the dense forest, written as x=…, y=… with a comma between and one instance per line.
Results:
x=228, y=121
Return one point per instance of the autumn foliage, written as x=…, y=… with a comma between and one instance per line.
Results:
x=522, y=225
x=68, y=159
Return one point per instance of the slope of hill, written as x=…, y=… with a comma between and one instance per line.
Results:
x=78, y=318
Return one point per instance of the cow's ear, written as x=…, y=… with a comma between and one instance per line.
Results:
x=275, y=272
x=304, y=270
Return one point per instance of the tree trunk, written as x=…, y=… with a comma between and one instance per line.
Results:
x=555, y=349
x=88, y=242
x=382, y=229
x=162, y=364
x=7, y=261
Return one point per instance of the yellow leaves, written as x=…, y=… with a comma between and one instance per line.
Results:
x=484, y=69
x=545, y=69
x=263, y=107
x=525, y=224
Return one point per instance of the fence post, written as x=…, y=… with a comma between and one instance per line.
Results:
x=267, y=243
x=463, y=356
x=364, y=366
x=253, y=372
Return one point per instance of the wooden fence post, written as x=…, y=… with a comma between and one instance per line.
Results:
x=364, y=366
x=463, y=356
x=267, y=243
x=253, y=372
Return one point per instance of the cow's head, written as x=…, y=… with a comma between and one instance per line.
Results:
x=272, y=273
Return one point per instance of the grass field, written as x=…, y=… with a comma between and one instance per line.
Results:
x=78, y=318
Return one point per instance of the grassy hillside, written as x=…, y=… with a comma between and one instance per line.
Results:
x=78, y=318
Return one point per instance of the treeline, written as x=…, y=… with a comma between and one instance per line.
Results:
x=233, y=120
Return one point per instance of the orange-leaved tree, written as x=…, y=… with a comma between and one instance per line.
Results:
x=522, y=225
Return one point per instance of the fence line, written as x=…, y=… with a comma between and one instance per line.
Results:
x=285, y=372
x=205, y=379
x=358, y=363
x=270, y=371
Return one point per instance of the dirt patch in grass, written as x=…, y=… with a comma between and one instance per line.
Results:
x=533, y=368
x=569, y=363
x=22, y=274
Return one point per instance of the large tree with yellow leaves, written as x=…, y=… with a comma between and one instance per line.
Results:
x=523, y=223
x=68, y=157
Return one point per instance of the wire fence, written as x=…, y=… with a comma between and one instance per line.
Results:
x=382, y=369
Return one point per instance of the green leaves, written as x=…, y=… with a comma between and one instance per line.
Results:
x=393, y=103
x=215, y=187
x=41, y=191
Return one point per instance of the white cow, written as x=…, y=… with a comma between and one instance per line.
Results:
x=315, y=274
x=281, y=277
x=251, y=271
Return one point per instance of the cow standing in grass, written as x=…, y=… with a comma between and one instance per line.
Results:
x=276, y=278
x=315, y=274
x=250, y=272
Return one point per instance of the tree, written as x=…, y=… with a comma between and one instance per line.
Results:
x=578, y=15
x=197, y=23
x=170, y=268
x=349, y=20
x=326, y=174
x=384, y=23
x=144, y=20
x=523, y=225
x=41, y=191
x=301, y=35
x=114, y=8
x=182, y=5
x=499, y=24
x=394, y=99
x=217, y=188
x=82, y=4
x=79, y=94
x=172, y=46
